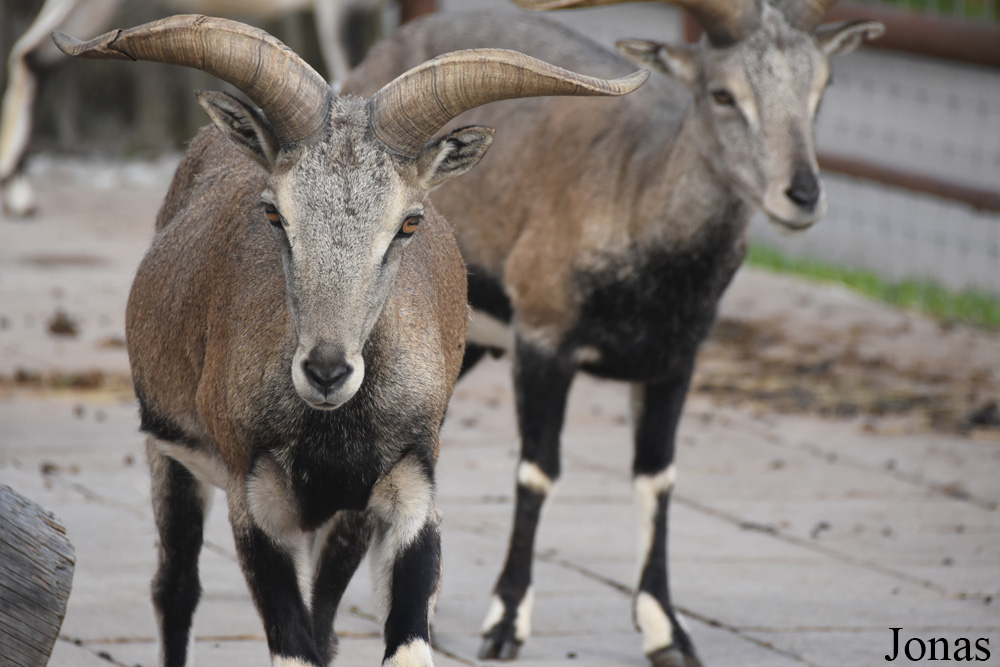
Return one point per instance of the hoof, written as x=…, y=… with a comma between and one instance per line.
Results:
x=18, y=197
x=672, y=656
x=495, y=647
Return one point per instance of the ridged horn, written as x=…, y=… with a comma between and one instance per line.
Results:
x=724, y=21
x=803, y=14
x=408, y=111
x=293, y=96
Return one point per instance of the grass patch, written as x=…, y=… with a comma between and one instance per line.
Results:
x=925, y=296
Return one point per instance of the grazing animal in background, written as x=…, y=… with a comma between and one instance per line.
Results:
x=298, y=323
x=33, y=53
x=603, y=242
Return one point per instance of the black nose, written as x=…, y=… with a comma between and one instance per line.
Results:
x=804, y=190
x=326, y=370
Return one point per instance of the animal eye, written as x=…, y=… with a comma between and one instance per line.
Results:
x=272, y=214
x=409, y=226
x=723, y=97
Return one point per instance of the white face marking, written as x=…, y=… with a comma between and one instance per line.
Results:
x=821, y=76
x=403, y=502
x=744, y=97
x=648, y=489
x=531, y=476
x=486, y=330
x=414, y=654
x=272, y=503
x=656, y=630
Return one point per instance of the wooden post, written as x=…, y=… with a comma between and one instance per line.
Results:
x=36, y=574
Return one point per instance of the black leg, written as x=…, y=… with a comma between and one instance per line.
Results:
x=269, y=568
x=657, y=410
x=406, y=557
x=541, y=384
x=340, y=553
x=180, y=503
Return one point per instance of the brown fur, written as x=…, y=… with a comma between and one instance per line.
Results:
x=208, y=303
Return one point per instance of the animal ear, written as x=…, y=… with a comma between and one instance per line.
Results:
x=836, y=39
x=678, y=61
x=243, y=125
x=452, y=155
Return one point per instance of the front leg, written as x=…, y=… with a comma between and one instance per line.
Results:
x=268, y=560
x=339, y=549
x=406, y=558
x=541, y=384
x=656, y=411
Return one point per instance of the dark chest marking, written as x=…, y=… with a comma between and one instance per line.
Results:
x=650, y=309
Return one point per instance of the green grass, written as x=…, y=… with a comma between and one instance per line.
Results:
x=924, y=296
x=975, y=9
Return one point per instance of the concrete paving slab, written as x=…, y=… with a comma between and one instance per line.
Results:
x=753, y=485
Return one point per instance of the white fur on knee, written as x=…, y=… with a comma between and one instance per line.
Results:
x=522, y=619
x=648, y=489
x=656, y=630
x=414, y=654
x=403, y=503
x=531, y=476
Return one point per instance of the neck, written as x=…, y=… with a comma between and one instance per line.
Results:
x=688, y=195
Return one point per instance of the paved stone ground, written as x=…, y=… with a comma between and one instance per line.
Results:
x=796, y=540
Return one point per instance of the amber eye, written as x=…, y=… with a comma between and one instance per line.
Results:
x=410, y=226
x=723, y=97
x=272, y=214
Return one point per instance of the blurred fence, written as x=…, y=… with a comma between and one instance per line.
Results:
x=912, y=120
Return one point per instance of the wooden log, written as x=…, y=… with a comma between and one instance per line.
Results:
x=36, y=575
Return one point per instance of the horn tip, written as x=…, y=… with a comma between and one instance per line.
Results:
x=68, y=45
x=99, y=47
x=632, y=82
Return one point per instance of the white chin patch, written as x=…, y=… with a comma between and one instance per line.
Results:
x=789, y=218
x=656, y=630
x=415, y=654
x=315, y=398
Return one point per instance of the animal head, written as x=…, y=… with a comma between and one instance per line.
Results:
x=347, y=178
x=757, y=81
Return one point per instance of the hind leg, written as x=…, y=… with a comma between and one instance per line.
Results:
x=180, y=505
x=656, y=411
x=340, y=547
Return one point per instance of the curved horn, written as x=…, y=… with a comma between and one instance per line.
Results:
x=409, y=110
x=803, y=14
x=292, y=95
x=724, y=21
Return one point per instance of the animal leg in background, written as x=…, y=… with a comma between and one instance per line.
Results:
x=541, y=384
x=656, y=410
